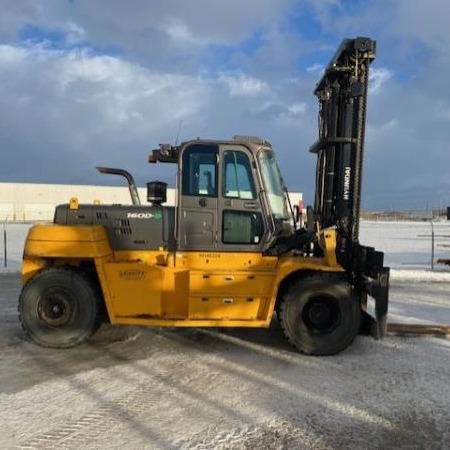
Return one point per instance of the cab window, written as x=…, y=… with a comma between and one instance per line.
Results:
x=242, y=227
x=200, y=171
x=237, y=175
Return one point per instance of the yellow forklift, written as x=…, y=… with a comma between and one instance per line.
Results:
x=230, y=253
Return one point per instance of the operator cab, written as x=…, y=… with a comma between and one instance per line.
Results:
x=231, y=195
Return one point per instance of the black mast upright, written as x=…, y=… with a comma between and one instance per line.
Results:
x=342, y=94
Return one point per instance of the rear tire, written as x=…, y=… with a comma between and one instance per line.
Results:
x=320, y=314
x=59, y=308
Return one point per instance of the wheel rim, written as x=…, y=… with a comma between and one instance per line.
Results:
x=55, y=307
x=322, y=314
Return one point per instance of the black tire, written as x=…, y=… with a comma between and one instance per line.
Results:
x=320, y=314
x=59, y=308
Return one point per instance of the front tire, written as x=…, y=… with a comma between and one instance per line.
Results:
x=59, y=308
x=320, y=314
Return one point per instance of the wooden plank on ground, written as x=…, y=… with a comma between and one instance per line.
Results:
x=406, y=329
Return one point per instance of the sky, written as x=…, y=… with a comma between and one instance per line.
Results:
x=86, y=83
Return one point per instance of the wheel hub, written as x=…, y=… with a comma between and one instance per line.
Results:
x=55, y=308
x=321, y=314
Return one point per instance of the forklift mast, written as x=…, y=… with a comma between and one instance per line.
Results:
x=342, y=94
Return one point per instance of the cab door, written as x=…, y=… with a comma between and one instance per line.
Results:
x=240, y=217
x=197, y=220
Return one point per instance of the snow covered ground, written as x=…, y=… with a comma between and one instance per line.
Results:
x=407, y=245
x=132, y=387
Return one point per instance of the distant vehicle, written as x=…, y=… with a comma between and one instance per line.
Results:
x=230, y=253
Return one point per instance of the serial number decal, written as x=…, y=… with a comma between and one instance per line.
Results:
x=210, y=255
x=132, y=274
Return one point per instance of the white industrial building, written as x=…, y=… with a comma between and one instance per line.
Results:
x=21, y=202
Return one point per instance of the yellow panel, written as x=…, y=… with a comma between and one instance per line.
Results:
x=230, y=283
x=30, y=267
x=219, y=308
x=134, y=288
x=175, y=294
x=53, y=232
x=62, y=241
x=193, y=323
x=150, y=257
x=223, y=260
x=137, y=289
x=327, y=240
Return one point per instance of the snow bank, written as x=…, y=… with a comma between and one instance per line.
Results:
x=427, y=276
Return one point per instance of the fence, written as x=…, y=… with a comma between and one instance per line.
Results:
x=437, y=238
x=408, y=244
x=412, y=215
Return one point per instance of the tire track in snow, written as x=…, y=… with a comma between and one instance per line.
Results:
x=272, y=435
x=144, y=400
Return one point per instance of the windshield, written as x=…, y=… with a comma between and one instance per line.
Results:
x=273, y=183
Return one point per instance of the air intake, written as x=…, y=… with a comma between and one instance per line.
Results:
x=157, y=192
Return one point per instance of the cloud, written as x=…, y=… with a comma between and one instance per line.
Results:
x=426, y=22
x=79, y=109
x=75, y=34
x=113, y=21
x=180, y=34
x=378, y=76
x=443, y=111
x=244, y=85
x=316, y=68
x=292, y=114
x=85, y=83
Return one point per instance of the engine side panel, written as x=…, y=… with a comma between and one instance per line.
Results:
x=128, y=227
